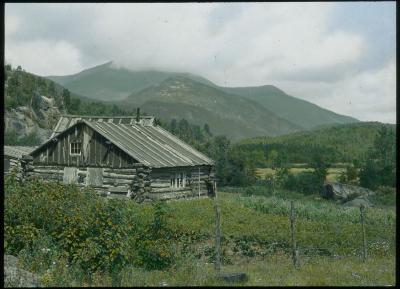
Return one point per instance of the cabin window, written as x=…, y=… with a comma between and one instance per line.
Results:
x=75, y=148
x=178, y=180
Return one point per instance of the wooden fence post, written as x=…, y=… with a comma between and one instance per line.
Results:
x=217, y=233
x=364, y=251
x=295, y=253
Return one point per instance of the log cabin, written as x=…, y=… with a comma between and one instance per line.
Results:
x=123, y=157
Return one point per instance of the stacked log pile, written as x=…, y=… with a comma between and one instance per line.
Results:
x=140, y=187
x=15, y=164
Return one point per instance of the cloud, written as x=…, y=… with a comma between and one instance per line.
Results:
x=266, y=38
x=367, y=95
x=296, y=45
x=44, y=57
x=12, y=24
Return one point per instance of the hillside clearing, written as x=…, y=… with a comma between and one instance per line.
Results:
x=333, y=173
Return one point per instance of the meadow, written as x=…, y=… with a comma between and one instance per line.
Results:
x=333, y=173
x=90, y=241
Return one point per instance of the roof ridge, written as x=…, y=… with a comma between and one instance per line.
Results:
x=102, y=116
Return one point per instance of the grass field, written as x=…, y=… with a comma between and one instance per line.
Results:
x=276, y=270
x=333, y=173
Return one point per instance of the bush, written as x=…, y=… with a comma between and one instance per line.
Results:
x=349, y=176
x=40, y=255
x=303, y=182
x=385, y=190
x=307, y=183
x=84, y=229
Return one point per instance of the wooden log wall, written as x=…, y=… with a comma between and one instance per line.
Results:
x=139, y=183
x=195, y=182
x=115, y=181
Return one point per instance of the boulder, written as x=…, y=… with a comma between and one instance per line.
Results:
x=357, y=202
x=343, y=192
x=14, y=276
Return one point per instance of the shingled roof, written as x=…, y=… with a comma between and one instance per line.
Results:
x=17, y=152
x=149, y=144
x=67, y=121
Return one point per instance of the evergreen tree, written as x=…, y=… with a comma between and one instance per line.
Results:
x=174, y=126
x=380, y=167
x=67, y=98
x=320, y=165
x=207, y=129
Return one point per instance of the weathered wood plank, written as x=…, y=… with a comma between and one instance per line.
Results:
x=116, y=181
x=49, y=171
x=94, y=176
x=169, y=190
x=46, y=176
x=124, y=171
x=160, y=185
x=106, y=174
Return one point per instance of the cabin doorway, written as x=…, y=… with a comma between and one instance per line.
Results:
x=94, y=177
x=70, y=175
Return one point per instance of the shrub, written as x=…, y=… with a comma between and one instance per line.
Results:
x=40, y=255
x=303, y=182
x=86, y=230
x=385, y=190
x=349, y=175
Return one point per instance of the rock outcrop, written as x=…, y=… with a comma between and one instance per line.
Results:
x=24, y=120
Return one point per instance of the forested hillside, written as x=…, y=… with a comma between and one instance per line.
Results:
x=339, y=143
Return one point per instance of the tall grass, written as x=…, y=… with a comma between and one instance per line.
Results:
x=274, y=270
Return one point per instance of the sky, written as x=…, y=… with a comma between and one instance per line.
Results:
x=338, y=55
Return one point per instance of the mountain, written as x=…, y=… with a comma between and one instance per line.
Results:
x=179, y=97
x=109, y=83
x=298, y=111
x=264, y=110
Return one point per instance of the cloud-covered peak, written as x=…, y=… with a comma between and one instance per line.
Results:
x=294, y=46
